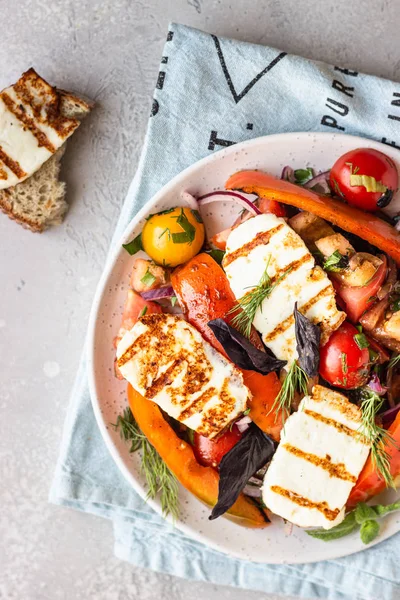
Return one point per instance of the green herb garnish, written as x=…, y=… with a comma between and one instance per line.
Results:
x=344, y=363
x=196, y=215
x=376, y=436
x=336, y=262
x=396, y=305
x=174, y=300
x=134, y=246
x=160, y=480
x=189, y=231
x=253, y=300
x=301, y=176
x=142, y=312
x=373, y=356
x=361, y=340
x=295, y=380
x=362, y=518
x=148, y=278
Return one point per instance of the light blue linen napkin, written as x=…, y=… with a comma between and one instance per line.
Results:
x=210, y=93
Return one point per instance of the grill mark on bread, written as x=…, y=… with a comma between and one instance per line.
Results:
x=337, y=470
x=12, y=164
x=3, y=174
x=28, y=122
x=260, y=239
x=322, y=507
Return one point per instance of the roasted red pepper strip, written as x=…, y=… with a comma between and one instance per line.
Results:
x=369, y=482
x=179, y=457
x=366, y=225
x=203, y=291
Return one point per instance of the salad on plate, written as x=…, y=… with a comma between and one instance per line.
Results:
x=263, y=362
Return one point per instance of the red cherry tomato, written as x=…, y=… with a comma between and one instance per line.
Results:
x=208, y=452
x=356, y=300
x=342, y=363
x=363, y=169
x=272, y=206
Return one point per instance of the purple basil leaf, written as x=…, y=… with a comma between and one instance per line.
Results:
x=246, y=457
x=242, y=352
x=308, y=337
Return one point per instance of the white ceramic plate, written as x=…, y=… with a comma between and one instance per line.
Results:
x=273, y=544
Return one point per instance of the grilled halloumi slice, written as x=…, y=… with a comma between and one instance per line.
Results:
x=266, y=241
x=318, y=460
x=31, y=127
x=167, y=361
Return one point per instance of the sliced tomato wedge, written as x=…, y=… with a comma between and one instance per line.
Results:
x=266, y=205
x=209, y=453
x=358, y=299
x=369, y=482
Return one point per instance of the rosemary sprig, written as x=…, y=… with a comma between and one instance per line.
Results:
x=250, y=302
x=295, y=380
x=378, y=437
x=159, y=478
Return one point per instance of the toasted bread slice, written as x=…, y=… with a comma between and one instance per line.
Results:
x=39, y=201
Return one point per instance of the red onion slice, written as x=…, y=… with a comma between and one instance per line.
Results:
x=224, y=195
x=389, y=415
x=243, y=423
x=190, y=200
x=375, y=385
x=167, y=291
x=253, y=491
x=321, y=180
x=288, y=174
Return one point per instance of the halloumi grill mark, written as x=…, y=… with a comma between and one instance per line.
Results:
x=334, y=469
x=323, y=507
x=167, y=361
x=321, y=454
x=32, y=128
x=293, y=277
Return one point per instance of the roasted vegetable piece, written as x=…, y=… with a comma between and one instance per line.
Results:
x=179, y=457
x=367, y=226
x=203, y=291
x=146, y=275
x=369, y=482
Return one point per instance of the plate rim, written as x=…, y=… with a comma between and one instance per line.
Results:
x=110, y=261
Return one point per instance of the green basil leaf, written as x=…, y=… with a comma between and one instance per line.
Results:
x=361, y=341
x=381, y=510
x=369, y=531
x=134, y=246
x=347, y=526
x=148, y=278
x=363, y=513
x=303, y=175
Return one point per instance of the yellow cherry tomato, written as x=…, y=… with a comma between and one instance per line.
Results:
x=174, y=236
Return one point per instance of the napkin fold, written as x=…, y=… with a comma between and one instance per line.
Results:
x=210, y=93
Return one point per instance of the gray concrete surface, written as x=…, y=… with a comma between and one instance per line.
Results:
x=110, y=50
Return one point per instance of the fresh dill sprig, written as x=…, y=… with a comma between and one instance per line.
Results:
x=296, y=380
x=378, y=437
x=394, y=361
x=159, y=478
x=249, y=304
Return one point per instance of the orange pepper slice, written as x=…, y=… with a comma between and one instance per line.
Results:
x=179, y=457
